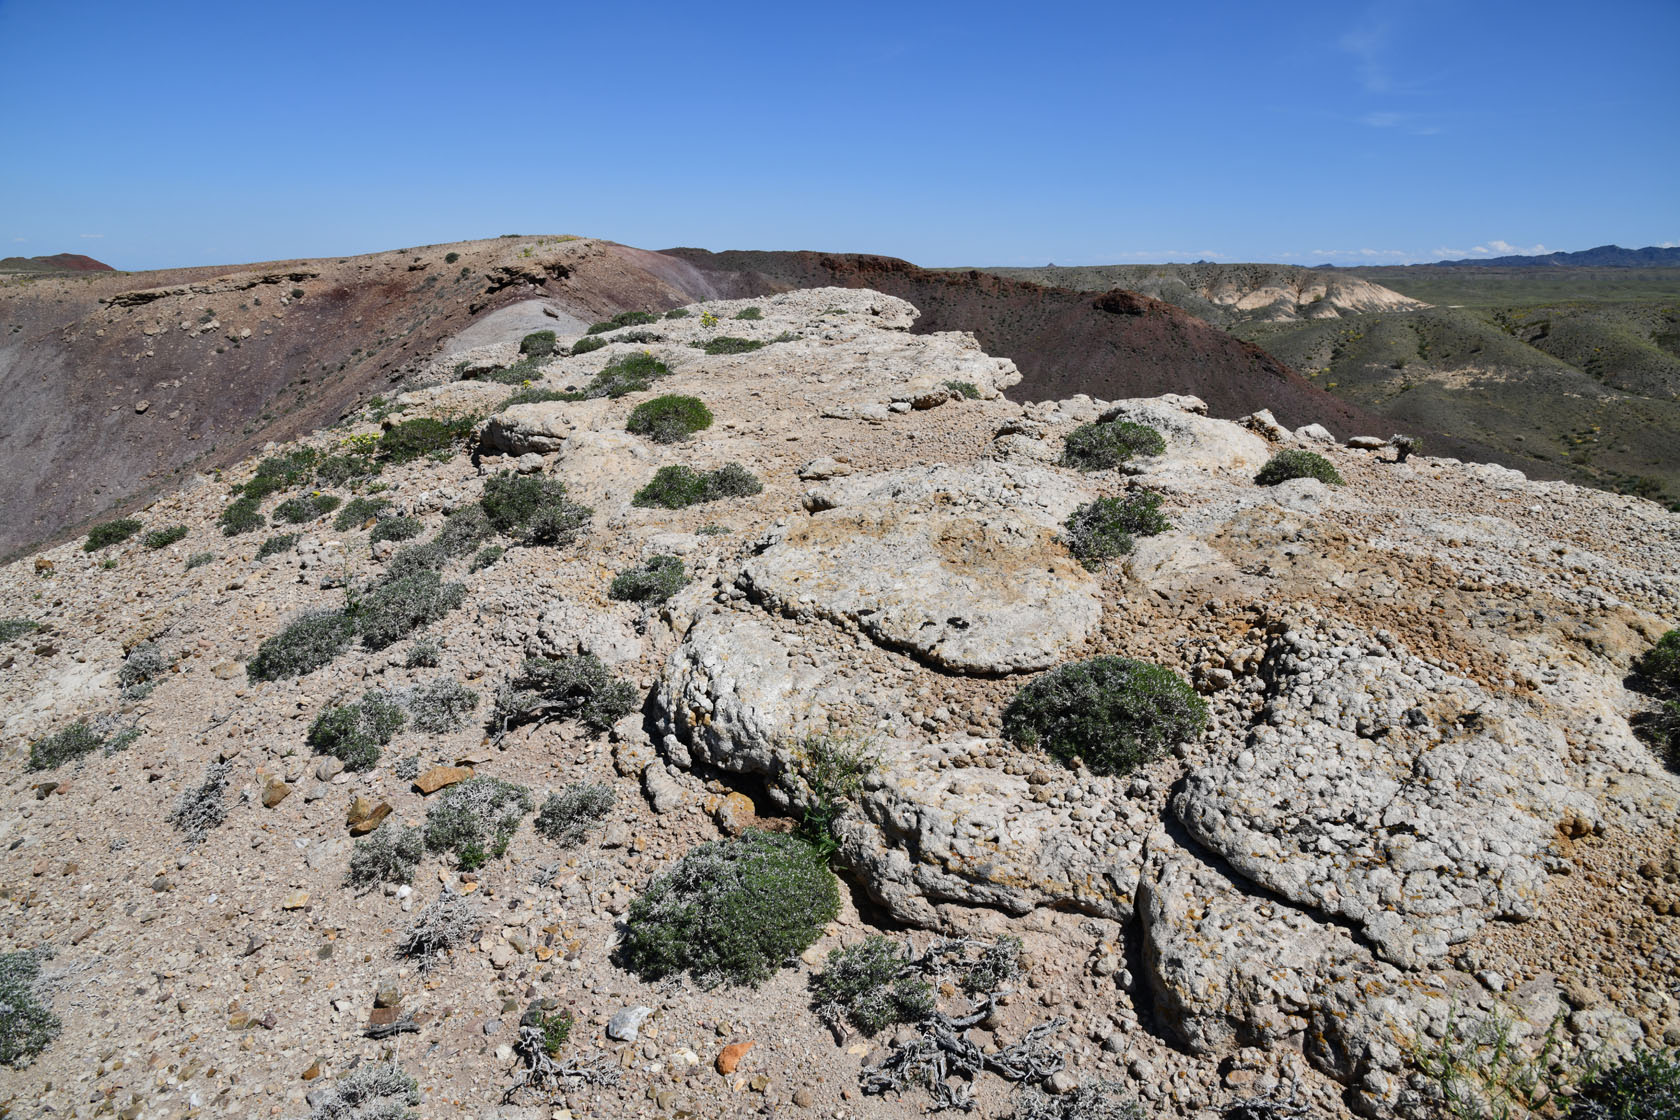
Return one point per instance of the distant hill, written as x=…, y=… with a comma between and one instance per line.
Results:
x=58, y=262
x=1605, y=256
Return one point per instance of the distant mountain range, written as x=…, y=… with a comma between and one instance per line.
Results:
x=58, y=262
x=1605, y=256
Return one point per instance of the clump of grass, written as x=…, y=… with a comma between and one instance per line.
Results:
x=678, y=487
x=653, y=581
x=412, y=439
x=357, y=511
x=309, y=642
x=623, y=319
x=1100, y=531
x=1293, y=462
x=110, y=533
x=388, y=854
x=750, y=313
x=669, y=419
x=355, y=733
x=533, y=509
x=1108, y=443
x=576, y=687
x=732, y=910
x=305, y=508
x=163, y=538
x=729, y=344
x=827, y=773
x=476, y=820
x=1112, y=713
x=566, y=817
x=273, y=546
x=396, y=529
x=874, y=985
x=537, y=344
x=28, y=1025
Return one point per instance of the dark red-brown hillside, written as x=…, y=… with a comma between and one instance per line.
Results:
x=58, y=262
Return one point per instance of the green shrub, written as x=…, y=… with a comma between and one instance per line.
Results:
x=440, y=706
x=341, y=470
x=566, y=817
x=370, y=1091
x=392, y=609
x=633, y=373
x=574, y=687
x=306, y=644
x=262, y=486
x=873, y=984
x=1106, y=444
x=396, y=529
x=485, y=558
x=11, y=629
x=1108, y=1100
x=354, y=733
x=1113, y=712
x=288, y=468
x=110, y=533
x=273, y=546
x=388, y=854
x=829, y=770
x=587, y=345
x=1404, y=446
x=1293, y=462
x=533, y=509
x=729, y=344
x=750, y=313
x=964, y=389
x=451, y=257
x=412, y=439
x=1101, y=530
x=163, y=538
x=653, y=581
x=73, y=742
x=677, y=313
x=677, y=487
x=732, y=910
x=525, y=369
x=1657, y=672
x=556, y=1029
x=423, y=654
x=537, y=344
x=357, y=511
x=145, y=663
x=199, y=559
x=534, y=395
x=1642, y=1086
x=669, y=419
x=28, y=1025
x=476, y=819
x=624, y=319
x=241, y=516
x=203, y=808
x=306, y=507
x=428, y=557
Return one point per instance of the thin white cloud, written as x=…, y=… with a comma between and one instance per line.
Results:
x=1660, y=244
x=1367, y=254
x=20, y=239
x=1383, y=120
x=1368, y=44
x=1497, y=247
x=92, y=236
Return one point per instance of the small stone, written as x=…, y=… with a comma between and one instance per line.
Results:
x=439, y=777
x=734, y=813
x=626, y=1024
x=387, y=994
x=364, y=816
x=142, y=406
x=297, y=900
x=226, y=671
x=729, y=1058
x=313, y=1071
x=274, y=792
x=492, y=1027
x=804, y=1098
x=1063, y=1082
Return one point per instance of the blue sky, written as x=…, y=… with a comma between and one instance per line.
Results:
x=153, y=135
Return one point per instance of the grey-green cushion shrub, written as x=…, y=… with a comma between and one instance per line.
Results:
x=623, y=319
x=533, y=509
x=654, y=580
x=278, y=543
x=633, y=373
x=241, y=516
x=537, y=344
x=464, y=529
x=340, y=470
x=425, y=653
x=1645, y=1085
x=1114, y=713
x=729, y=344
x=110, y=533
x=199, y=559
x=163, y=538
x=354, y=733
x=287, y=468
x=1108, y=443
x=305, y=507
x=587, y=344
x=201, y=809
x=27, y=1024
x=1099, y=1100
x=669, y=419
x=732, y=910
x=388, y=854
x=677, y=313
x=566, y=817
x=146, y=661
x=72, y=742
x=677, y=487
x=873, y=985
x=396, y=529
x=357, y=511
x=1102, y=530
x=750, y=313
x=393, y=609
x=11, y=629
x=449, y=921
x=411, y=439
x=307, y=643
x=428, y=557
x=1294, y=462
x=576, y=687
x=371, y=1091
x=485, y=558
x=967, y=390
x=440, y=706
x=476, y=819
x=535, y=395
x=1657, y=672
